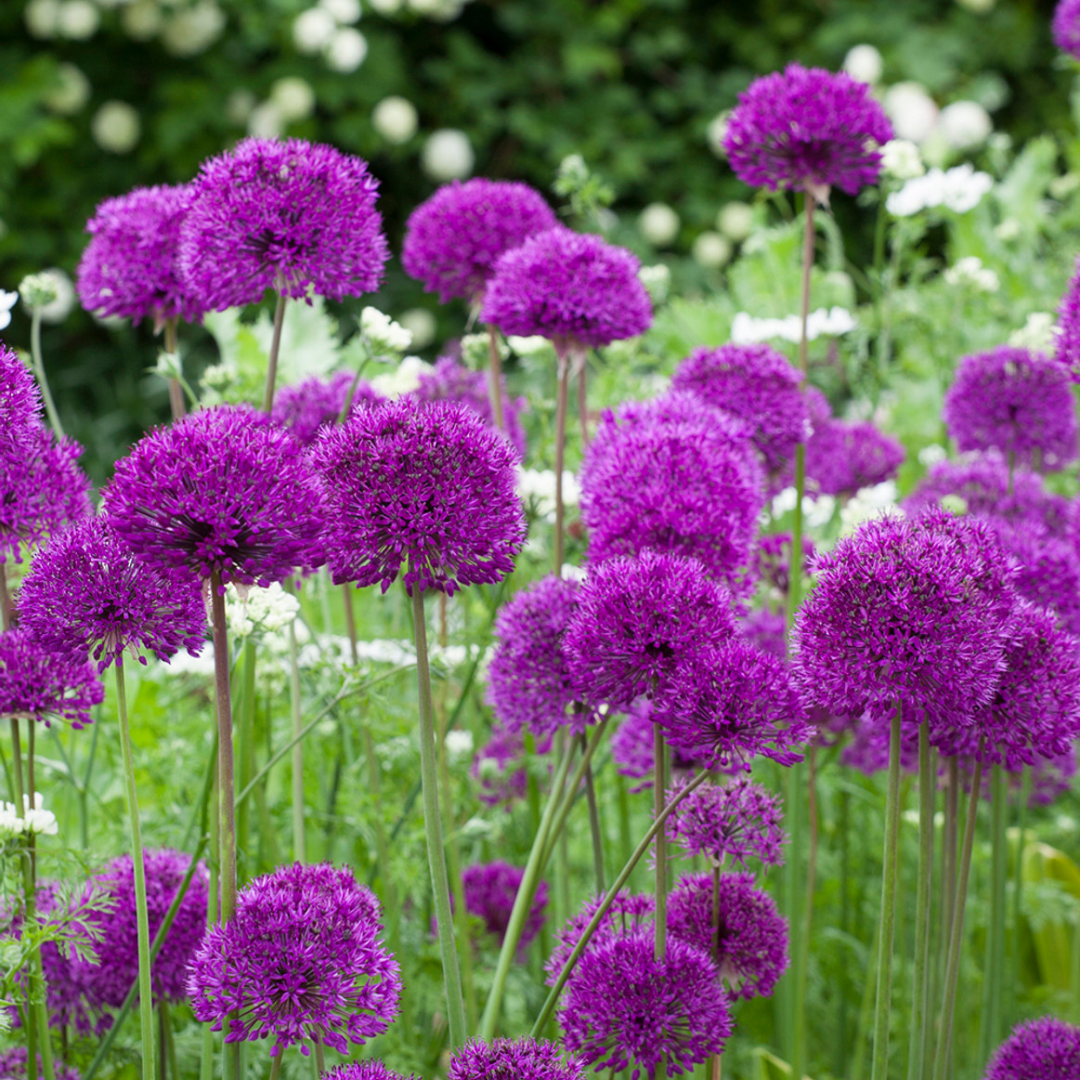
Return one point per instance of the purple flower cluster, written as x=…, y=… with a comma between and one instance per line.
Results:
x=1044, y=1049
x=13, y=1066
x=453, y=240
x=628, y=912
x=843, y=457
x=306, y=408
x=807, y=129
x=1066, y=27
x=510, y=1059
x=633, y=747
x=20, y=400
x=368, y=1069
x=1067, y=346
x=37, y=683
x=499, y=768
x=772, y=559
x=490, y=892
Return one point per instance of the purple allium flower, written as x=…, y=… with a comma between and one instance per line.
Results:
x=639, y=621
x=1017, y=401
x=88, y=593
x=453, y=240
x=756, y=384
x=628, y=913
x=749, y=944
x=428, y=490
x=302, y=960
x=367, y=1069
x=765, y=630
x=1050, y=777
x=529, y=684
x=633, y=747
x=1043, y=1049
x=307, y=407
x=807, y=129
x=625, y=1009
x=868, y=748
x=20, y=400
x=917, y=611
x=738, y=820
x=675, y=486
x=130, y=268
x=733, y=703
x=1067, y=345
x=523, y=1058
x=1066, y=27
x=224, y=490
x=1047, y=569
x=450, y=381
x=39, y=683
x=572, y=288
x=772, y=559
x=843, y=457
x=13, y=1066
x=499, y=768
x=290, y=215
x=490, y=892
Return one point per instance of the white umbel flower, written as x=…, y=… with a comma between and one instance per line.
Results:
x=447, y=155
x=912, y=110
x=659, y=224
x=965, y=125
x=863, y=62
x=384, y=335
x=347, y=50
x=116, y=127
x=294, y=98
x=313, y=30
x=395, y=119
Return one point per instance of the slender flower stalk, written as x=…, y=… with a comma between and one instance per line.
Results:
x=581, y=369
x=29, y=890
x=1018, y=881
x=920, y=987
x=659, y=790
x=561, y=403
x=495, y=390
x=176, y=391
x=994, y=967
x=299, y=842
x=39, y=370
x=595, y=831
x=275, y=346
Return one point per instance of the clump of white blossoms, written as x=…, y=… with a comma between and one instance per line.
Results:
x=536, y=488
x=900, y=159
x=476, y=350
x=960, y=189
x=659, y=224
x=970, y=272
x=447, y=155
x=459, y=745
x=913, y=112
x=383, y=335
x=395, y=119
x=746, y=330
x=35, y=820
x=867, y=503
x=864, y=62
x=404, y=379
x=1037, y=333
x=736, y=220
x=657, y=282
x=259, y=610
x=711, y=250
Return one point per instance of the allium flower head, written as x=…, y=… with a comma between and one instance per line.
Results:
x=756, y=384
x=499, y=768
x=290, y=215
x=453, y=240
x=765, y=630
x=733, y=703
x=130, y=268
x=1067, y=347
x=842, y=457
x=627, y=913
x=749, y=944
x=38, y=683
x=1050, y=777
x=1016, y=401
x=1066, y=27
x=307, y=407
x=20, y=400
x=13, y=1066
x=572, y=288
x=490, y=892
x=529, y=683
x=222, y=490
x=1047, y=569
x=301, y=961
x=367, y=1069
x=739, y=820
x=88, y=593
x=638, y=621
x=625, y=1009
x=633, y=747
x=772, y=559
x=512, y=1059
x=916, y=611
x=425, y=492
x=1043, y=1049
x=807, y=129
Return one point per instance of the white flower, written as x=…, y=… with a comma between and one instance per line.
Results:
x=817, y=512
x=717, y=129
x=746, y=330
x=980, y=7
x=37, y=819
x=395, y=119
x=570, y=572
x=7, y=301
x=421, y=323
x=459, y=744
x=313, y=30
x=347, y=50
x=116, y=127
x=960, y=190
x=59, y=307
x=1037, y=333
x=267, y=610
x=736, y=220
x=71, y=93
x=77, y=20
x=384, y=335
x=965, y=125
x=535, y=345
x=868, y=503
x=863, y=62
x=385, y=7
x=538, y=486
x=970, y=271
x=345, y=12
x=404, y=379
x=711, y=250
x=193, y=30
x=659, y=224
x=900, y=159
x=911, y=110
x=932, y=454
x=447, y=155
x=41, y=18
x=657, y=282
x=142, y=19
x=293, y=97
x=265, y=121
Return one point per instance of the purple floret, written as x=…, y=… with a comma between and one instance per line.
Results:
x=1047, y=570
x=1017, y=401
x=306, y=408
x=627, y=913
x=500, y=770
x=842, y=457
x=633, y=747
x=773, y=556
x=424, y=492
x=1044, y=1049
x=20, y=401
x=13, y=1066
x=301, y=928
x=453, y=240
x=368, y=1069
x=574, y=289
x=131, y=268
x=765, y=630
x=293, y=216
x=490, y=892
x=1066, y=27
x=523, y=1058
x=45, y=684
x=1067, y=346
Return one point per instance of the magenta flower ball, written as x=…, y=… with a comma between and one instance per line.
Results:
x=842, y=457
x=42, y=684
x=523, y=1058
x=20, y=400
x=308, y=407
x=367, y=1069
x=633, y=747
x=1066, y=27
x=1067, y=346
x=1044, y=1049
x=499, y=769
x=490, y=892
x=628, y=913
x=13, y=1066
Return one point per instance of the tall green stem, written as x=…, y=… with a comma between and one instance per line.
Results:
x=659, y=792
x=595, y=830
x=176, y=391
x=28, y=891
x=995, y=937
x=561, y=402
x=1018, y=886
x=246, y=740
x=39, y=974
x=275, y=345
x=495, y=378
x=297, y=723
x=920, y=987
x=39, y=370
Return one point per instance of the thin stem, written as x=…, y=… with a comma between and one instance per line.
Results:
x=296, y=715
x=995, y=937
x=28, y=890
x=275, y=1065
x=659, y=791
x=561, y=401
x=924, y=885
x=1018, y=883
x=176, y=391
x=320, y=1061
x=879, y=1066
x=559, y=844
x=806, y=916
x=809, y=204
x=581, y=366
x=246, y=740
x=5, y=597
x=595, y=830
x=142, y=918
x=495, y=378
x=571, y=789
x=275, y=345
x=39, y=370
x=433, y=828
x=42, y=1008
x=206, y=1060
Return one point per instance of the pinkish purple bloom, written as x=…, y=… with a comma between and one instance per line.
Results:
x=633, y=747
x=366, y=1069
x=453, y=240
x=628, y=913
x=1050, y=777
x=842, y=457
x=1047, y=569
x=293, y=216
x=490, y=892
x=302, y=962
x=425, y=492
x=523, y=1058
x=574, y=289
x=765, y=630
x=13, y=1066
x=1067, y=346
x=306, y=408
x=38, y=683
x=20, y=400
x=807, y=129
x=1043, y=1049
x=499, y=768
x=1066, y=27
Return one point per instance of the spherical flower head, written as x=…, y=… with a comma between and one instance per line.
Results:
x=529, y=684
x=422, y=492
x=733, y=703
x=1066, y=27
x=772, y=557
x=627, y=913
x=912, y=611
x=301, y=961
x=20, y=400
x=765, y=630
x=749, y=944
x=513, y=1059
x=756, y=384
x=88, y=593
x=222, y=491
x=13, y=1066
x=1044, y=1049
x=307, y=407
x=450, y=381
x=130, y=268
x=43, y=684
x=490, y=892
x=1050, y=777
x=1047, y=569
x=842, y=457
x=1017, y=401
x=453, y=240
x=633, y=747
x=809, y=130
x=1067, y=347
x=369, y=1068
x=295, y=216
x=499, y=768
x=574, y=289
x=739, y=820
x=625, y=1009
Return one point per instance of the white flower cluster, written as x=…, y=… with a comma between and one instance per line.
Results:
x=327, y=29
x=256, y=609
x=459, y=745
x=52, y=291
x=868, y=503
x=395, y=119
x=900, y=159
x=36, y=819
x=659, y=224
x=538, y=486
x=116, y=127
x=959, y=189
x=746, y=330
x=970, y=272
x=383, y=334
x=1037, y=333
x=817, y=511
x=526, y=347
x=657, y=282
x=404, y=379
x=7, y=301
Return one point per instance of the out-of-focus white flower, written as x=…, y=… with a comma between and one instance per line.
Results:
x=52, y=291
x=345, y=12
x=960, y=189
x=659, y=224
x=77, y=20
x=932, y=454
x=1008, y=230
x=570, y=572
x=476, y=350
x=7, y=301
x=538, y=486
x=423, y=7
x=980, y=7
x=239, y=106
x=447, y=155
x=534, y=345
x=912, y=111
x=736, y=220
x=422, y=324
x=384, y=335
x=863, y=62
x=402, y=380
x=294, y=98
x=33, y=819
x=1037, y=333
x=900, y=159
x=711, y=250
x=657, y=282
x=816, y=511
x=41, y=18
x=965, y=125
x=347, y=50
x=746, y=330
x=385, y=7
x=459, y=744
x=867, y=503
x=116, y=127
x=193, y=30
x=71, y=92
x=715, y=132
x=142, y=19
x=265, y=121
x=37, y=290
x=395, y=119
x=265, y=610
x=970, y=271
x=313, y=30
